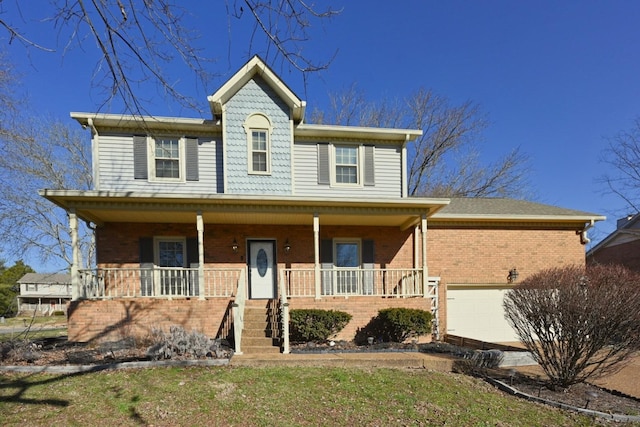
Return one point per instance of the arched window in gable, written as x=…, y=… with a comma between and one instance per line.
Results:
x=258, y=129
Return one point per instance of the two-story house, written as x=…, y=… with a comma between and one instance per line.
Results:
x=44, y=294
x=200, y=223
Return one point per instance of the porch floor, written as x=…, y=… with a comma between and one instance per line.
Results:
x=434, y=362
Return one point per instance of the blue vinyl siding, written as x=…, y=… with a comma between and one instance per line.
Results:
x=257, y=97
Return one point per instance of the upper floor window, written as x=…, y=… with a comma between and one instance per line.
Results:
x=259, y=150
x=258, y=129
x=346, y=165
x=164, y=158
x=167, y=158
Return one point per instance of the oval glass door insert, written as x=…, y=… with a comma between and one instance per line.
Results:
x=262, y=262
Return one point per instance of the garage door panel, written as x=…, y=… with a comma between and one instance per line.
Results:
x=478, y=313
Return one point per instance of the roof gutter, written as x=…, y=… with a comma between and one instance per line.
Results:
x=584, y=238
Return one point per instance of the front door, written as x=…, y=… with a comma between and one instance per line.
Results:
x=262, y=269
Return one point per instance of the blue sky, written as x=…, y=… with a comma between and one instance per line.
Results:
x=555, y=78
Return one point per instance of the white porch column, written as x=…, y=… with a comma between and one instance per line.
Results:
x=75, y=254
x=425, y=269
x=200, y=226
x=416, y=246
x=316, y=252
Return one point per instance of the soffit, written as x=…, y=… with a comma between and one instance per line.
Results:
x=101, y=207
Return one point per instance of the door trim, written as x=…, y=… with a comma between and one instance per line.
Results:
x=274, y=264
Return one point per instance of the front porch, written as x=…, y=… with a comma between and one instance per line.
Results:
x=114, y=302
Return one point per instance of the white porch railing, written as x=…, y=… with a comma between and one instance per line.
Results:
x=238, y=315
x=284, y=312
x=158, y=282
x=387, y=282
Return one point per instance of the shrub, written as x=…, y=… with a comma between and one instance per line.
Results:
x=578, y=323
x=179, y=343
x=316, y=325
x=399, y=324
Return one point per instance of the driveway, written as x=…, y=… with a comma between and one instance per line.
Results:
x=627, y=380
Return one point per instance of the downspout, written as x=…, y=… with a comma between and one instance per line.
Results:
x=584, y=239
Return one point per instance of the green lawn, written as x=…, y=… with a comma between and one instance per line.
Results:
x=33, y=320
x=228, y=396
x=39, y=327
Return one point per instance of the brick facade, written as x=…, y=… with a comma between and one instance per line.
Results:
x=362, y=309
x=458, y=255
x=627, y=254
x=112, y=320
x=485, y=255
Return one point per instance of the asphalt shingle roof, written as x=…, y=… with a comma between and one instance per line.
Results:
x=52, y=278
x=505, y=207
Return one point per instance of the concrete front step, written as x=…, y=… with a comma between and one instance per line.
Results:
x=258, y=329
x=257, y=350
x=260, y=341
x=255, y=316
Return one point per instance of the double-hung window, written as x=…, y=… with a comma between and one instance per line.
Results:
x=346, y=164
x=259, y=129
x=167, y=158
x=259, y=151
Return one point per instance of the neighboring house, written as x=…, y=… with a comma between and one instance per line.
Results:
x=223, y=225
x=44, y=294
x=622, y=246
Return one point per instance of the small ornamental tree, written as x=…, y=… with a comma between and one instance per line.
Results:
x=578, y=323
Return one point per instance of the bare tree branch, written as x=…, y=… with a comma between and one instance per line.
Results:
x=578, y=323
x=41, y=154
x=444, y=161
x=139, y=40
x=623, y=156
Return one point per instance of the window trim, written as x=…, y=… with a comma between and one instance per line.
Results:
x=172, y=239
x=333, y=172
x=151, y=142
x=352, y=281
x=258, y=122
x=343, y=240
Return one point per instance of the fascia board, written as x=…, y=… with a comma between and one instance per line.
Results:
x=335, y=131
x=100, y=120
x=410, y=203
x=240, y=78
x=516, y=218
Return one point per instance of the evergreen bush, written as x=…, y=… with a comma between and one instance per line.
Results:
x=314, y=325
x=399, y=324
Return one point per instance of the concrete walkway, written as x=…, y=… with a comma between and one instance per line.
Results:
x=414, y=360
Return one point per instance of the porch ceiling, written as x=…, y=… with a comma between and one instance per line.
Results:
x=101, y=207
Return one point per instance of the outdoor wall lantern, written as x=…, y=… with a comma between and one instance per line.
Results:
x=287, y=246
x=513, y=275
x=234, y=246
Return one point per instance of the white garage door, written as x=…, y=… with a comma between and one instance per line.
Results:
x=477, y=312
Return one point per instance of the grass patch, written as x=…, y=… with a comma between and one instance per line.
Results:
x=20, y=321
x=241, y=396
x=34, y=334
